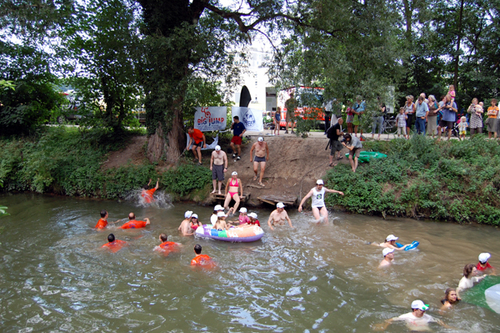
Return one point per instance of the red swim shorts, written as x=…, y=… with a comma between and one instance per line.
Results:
x=236, y=140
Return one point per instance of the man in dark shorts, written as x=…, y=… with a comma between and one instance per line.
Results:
x=449, y=110
x=198, y=139
x=261, y=151
x=218, y=165
x=334, y=133
x=354, y=145
x=238, y=131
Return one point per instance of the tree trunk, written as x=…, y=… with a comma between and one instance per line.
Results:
x=459, y=39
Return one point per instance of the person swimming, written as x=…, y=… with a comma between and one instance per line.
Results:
x=166, y=246
x=103, y=221
x=201, y=259
x=450, y=299
x=114, y=245
x=278, y=217
x=390, y=242
x=135, y=224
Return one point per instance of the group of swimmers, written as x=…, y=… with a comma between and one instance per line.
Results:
x=417, y=319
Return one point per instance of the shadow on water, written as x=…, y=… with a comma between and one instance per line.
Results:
x=315, y=277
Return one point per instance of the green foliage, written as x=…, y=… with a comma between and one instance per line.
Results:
x=186, y=178
x=3, y=211
x=452, y=180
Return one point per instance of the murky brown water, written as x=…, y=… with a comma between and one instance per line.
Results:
x=55, y=277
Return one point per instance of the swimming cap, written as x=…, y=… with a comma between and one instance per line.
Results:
x=194, y=216
x=386, y=251
x=280, y=205
x=221, y=214
x=217, y=148
x=243, y=210
x=188, y=214
x=218, y=207
x=234, y=173
x=260, y=139
x=484, y=257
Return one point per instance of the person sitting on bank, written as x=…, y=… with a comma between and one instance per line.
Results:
x=201, y=259
x=416, y=320
x=148, y=194
x=388, y=258
x=469, y=278
x=450, y=299
x=113, y=244
x=103, y=221
x=185, y=227
x=390, y=242
x=484, y=266
x=278, y=217
x=135, y=224
x=354, y=145
x=233, y=187
x=167, y=246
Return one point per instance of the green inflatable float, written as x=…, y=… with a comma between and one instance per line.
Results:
x=485, y=294
x=365, y=156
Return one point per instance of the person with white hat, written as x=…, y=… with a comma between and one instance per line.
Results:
x=185, y=227
x=390, y=242
x=278, y=217
x=484, y=265
x=243, y=218
x=221, y=222
x=261, y=156
x=195, y=222
x=233, y=187
x=213, y=217
x=218, y=165
x=416, y=320
x=318, y=206
x=388, y=258
x=253, y=219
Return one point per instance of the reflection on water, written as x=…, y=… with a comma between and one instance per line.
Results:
x=55, y=276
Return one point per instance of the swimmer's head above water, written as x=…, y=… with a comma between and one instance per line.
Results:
x=197, y=249
x=111, y=238
x=163, y=237
x=104, y=213
x=131, y=216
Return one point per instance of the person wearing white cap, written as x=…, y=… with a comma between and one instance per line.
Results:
x=484, y=265
x=213, y=217
x=470, y=277
x=221, y=222
x=318, y=206
x=388, y=258
x=278, y=217
x=390, y=242
x=195, y=223
x=233, y=186
x=218, y=165
x=416, y=320
x=185, y=227
x=243, y=218
x=253, y=219
x=261, y=156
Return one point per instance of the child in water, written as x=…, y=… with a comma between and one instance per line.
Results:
x=462, y=127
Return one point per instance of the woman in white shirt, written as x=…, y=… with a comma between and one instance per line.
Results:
x=468, y=279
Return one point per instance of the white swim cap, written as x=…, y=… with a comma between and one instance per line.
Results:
x=194, y=216
x=221, y=214
x=252, y=215
x=234, y=173
x=217, y=148
x=260, y=139
x=280, y=205
x=243, y=210
x=484, y=257
x=218, y=207
x=320, y=182
x=386, y=251
x=188, y=214
x=391, y=237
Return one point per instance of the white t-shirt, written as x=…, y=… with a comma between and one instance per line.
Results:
x=414, y=323
x=213, y=219
x=318, y=198
x=466, y=283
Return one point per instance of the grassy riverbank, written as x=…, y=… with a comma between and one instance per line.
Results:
x=68, y=161
x=422, y=178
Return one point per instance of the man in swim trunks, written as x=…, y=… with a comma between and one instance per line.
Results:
x=238, y=131
x=103, y=221
x=134, y=224
x=148, y=194
x=198, y=139
x=113, y=244
x=278, y=217
x=185, y=227
x=416, y=320
x=261, y=156
x=218, y=165
x=388, y=258
x=201, y=259
x=318, y=201
x=167, y=247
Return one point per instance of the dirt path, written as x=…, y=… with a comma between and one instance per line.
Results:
x=133, y=153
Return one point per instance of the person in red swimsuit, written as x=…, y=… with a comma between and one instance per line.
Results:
x=114, y=245
x=103, y=221
x=201, y=259
x=167, y=247
x=134, y=224
x=253, y=219
x=148, y=194
x=484, y=265
x=232, y=187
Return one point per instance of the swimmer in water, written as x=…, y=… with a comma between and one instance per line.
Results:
x=114, y=245
x=416, y=320
x=195, y=223
x=185, y=227
x=221, y=222
x=253, y=219
x=201, y=259
x=484, y=266
x=388, y=258
x=390, y=242
x=166, y=246
x=148, y=194
x=243, y=218
x=279, y=216
x=450, y=299
x=103, y=221
x=317, y=193
x=213, y=217
x=469, y=278
x=134, y=224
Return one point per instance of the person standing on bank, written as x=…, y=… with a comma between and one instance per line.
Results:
x=261, y=156
x=290, y=105
x=421, y=112
x=277, y=120
x=449, y=112
x=378, y=120
x=358, y=109
x=318, y=206
x=334, y=134
x=238, y=131
x=354, y=145
x=198, y=139
x=218, y=165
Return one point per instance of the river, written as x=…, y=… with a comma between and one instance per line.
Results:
x=55, y=277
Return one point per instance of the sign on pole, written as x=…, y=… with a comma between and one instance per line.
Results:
x=210, y=118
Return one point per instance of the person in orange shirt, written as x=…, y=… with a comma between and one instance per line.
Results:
x=167, y=247
x=113, y=244
x=134, y=224
x=493, y=115
x=103, y=221
x=201, y=259
x=198, y=140
x=148, y=194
